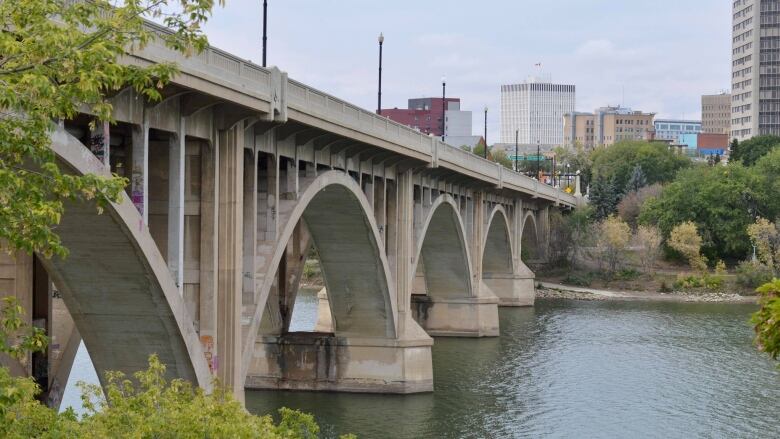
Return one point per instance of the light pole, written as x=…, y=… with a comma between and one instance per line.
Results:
x=381, y=40
x=486, y=144
x=265, y=29
x=538, y=160
x=517, y=134
x=443, y=105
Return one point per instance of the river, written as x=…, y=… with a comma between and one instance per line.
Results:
x=566, y=369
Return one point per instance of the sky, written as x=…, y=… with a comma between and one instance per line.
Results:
x=656, y=56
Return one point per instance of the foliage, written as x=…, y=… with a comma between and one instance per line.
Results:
x=619, y=161
x=766, y=185
x=767, y=319
x=749, y=151
x=752, y=274
x=60, y=58
x=604, y=197
x=612, y=238
x=692, y=281
x=16, y=337
x=648, y=239
x=560, y=239
x=577, y=280
x=638, y=179
x=685, y=239
x=717, y=199
x=630, y=206
x=494, y=155
x=766, y=237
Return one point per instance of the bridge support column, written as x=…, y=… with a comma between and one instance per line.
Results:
x=230, y=263
x=139, y=180
x=176, y=205
x=457, y=317
x=516, y=289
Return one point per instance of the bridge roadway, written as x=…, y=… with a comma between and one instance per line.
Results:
x=234, y=176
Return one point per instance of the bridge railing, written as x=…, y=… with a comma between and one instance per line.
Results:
x=223, y=68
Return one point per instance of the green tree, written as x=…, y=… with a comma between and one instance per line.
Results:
x=766, y=185
x=767, y=319
x=749, y=151
x=578, y=158
x=604, y=197
x=638, y=179
x=618, y=161
x=718, y=200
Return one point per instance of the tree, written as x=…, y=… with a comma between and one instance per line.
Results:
x=630, y=206
x=765, y=236
x=767, y=319
x=648, y=239
x=637, y=181
x=613, y=236
x=618, y=161
x=721, y=201
x=578, y=159
x=685, y=239
x=766, y=185
x=604, y=197
x=749, y=151
x=734, y=149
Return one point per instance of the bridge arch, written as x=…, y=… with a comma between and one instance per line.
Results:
x=354, y=267
x=444, y=252
x=529, y=243
x=117, y=285
x=497, y=248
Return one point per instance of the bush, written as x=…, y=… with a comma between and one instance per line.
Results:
x=577, y=280
x=753, y=274
x=627, y=274
x=664, y=288
x=688, y=282
x=767, y=319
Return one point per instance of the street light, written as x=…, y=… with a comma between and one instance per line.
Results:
x=381, y=40
x=486, y=144
x=538, y=160
x=443, y=105
x=517, y=134
x=265, y=29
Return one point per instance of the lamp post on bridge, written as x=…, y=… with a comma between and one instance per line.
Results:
x=265, y=28
x=443, y=106
x=538, y=160
x=381, y=40
x=486, y=144
x=517, y=134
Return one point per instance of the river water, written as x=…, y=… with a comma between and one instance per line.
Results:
x=568, y=369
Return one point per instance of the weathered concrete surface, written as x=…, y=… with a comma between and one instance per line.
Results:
x=324, y=317
x=457, y=317
x=323, y=361
x=117, y=286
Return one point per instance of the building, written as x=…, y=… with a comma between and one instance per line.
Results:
x=673, y=129
x=424, y=114
x=716, y=114
x=712, y=144
x=535, y=109
x=606, y=126
x=755, y=66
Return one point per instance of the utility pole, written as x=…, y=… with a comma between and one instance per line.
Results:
x=443, y=106
x=265, y=29
x=381, y=40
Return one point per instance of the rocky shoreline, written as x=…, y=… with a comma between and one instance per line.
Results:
x=558, y=291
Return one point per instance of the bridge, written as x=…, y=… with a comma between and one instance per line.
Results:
x=234, y=176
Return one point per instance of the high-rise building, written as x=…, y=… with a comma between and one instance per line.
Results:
x=535, y=109
x=716, y=114
x=674, y=129
x=755, y=68
x=607, y=126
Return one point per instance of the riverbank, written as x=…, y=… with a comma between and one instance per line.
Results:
x=551, y=290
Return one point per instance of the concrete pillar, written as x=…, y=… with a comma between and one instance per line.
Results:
x=139, y=178
x=380, y=206
x=250, y=225
x=229, y=279
x=577, y=187
x=404, y=246
x=177, y=150
x=208, y=252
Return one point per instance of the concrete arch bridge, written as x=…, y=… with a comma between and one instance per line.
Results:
x=234, y=176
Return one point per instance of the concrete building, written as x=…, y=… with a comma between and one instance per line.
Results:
x=712, y=144
x=672, y=129
x=716, y=114
x=535, y=109
x=606, y=126
x=424, y=114
x=755, y=68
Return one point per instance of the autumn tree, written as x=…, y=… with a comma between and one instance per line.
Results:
x=648, y=239
x=612, y=239
x=685, y=239
x=766, y=238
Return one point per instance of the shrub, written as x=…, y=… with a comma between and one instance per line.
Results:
x=664, y=288
x=613, y=236
x=627, y=274
x=767, y=319
x=753, y=274
x=688, y=282
x=685, y=239
x=577, y=280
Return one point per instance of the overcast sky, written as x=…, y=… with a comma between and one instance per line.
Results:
x=658, y=56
